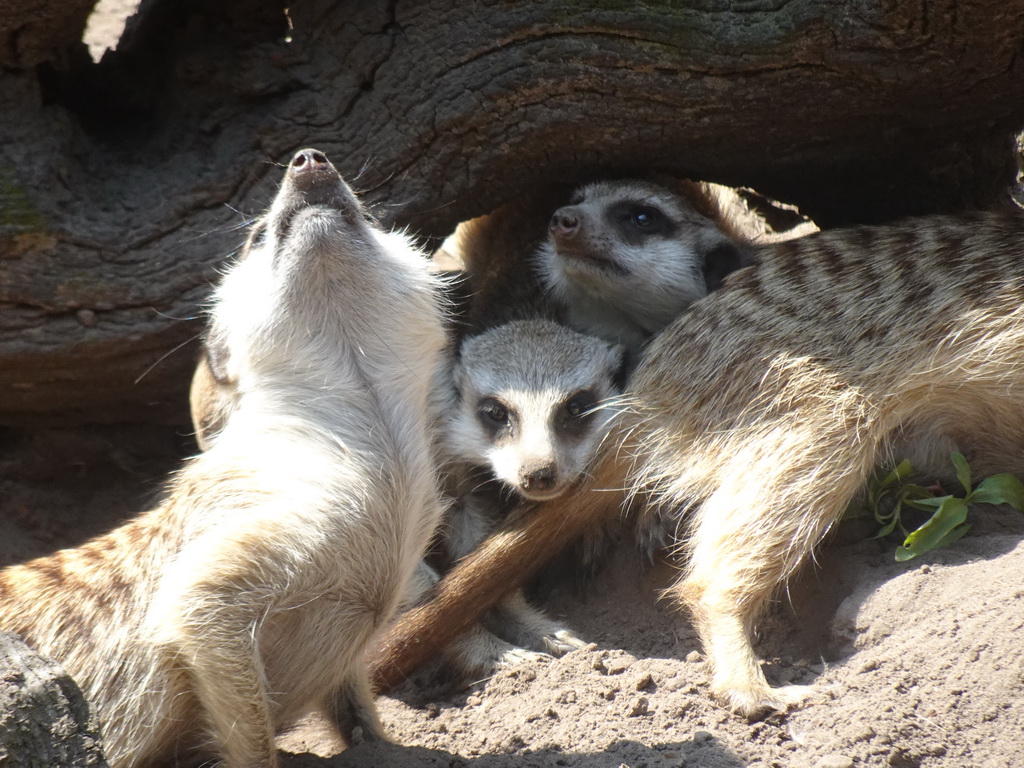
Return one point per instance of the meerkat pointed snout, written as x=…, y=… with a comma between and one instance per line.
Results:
x=565, y=223
x=248, y=597
x=312, y=175
x=627, y=257
x=310, y=159
x=538, y=480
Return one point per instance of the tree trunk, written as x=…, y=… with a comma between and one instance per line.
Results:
x=123, y=185
x=44, y=719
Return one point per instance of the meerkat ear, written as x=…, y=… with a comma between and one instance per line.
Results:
x=458, y=378
x=724, y=257
x=620, y=365
x=216, y=354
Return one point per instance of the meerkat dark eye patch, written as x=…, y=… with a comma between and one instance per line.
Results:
x=580, y=404
x=574, y=415
x=494, y=416
x=636, y=222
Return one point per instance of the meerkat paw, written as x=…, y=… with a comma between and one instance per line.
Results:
x=515, y=655
x=479, y=654
x=755, y=702
x=561, y=642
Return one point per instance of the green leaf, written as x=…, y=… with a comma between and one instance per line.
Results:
x=1000, y=489
x=948, y=516
x=903, y=554
x=879, y=485
x=955, y=535
x=928, y=504
x=900, y=471
x=886, y=530
x=963, y=470
x=917, y=492
x=884, y=518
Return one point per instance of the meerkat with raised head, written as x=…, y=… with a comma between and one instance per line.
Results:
x=542, y=369
x=757, y=416
x=626, y=257
x=249, y=596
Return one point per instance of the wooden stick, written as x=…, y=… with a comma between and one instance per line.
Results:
x=500, y=564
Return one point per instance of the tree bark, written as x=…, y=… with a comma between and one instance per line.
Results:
x=124, y=184
x=44, y=719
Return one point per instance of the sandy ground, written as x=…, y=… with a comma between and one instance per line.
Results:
x=918, y=664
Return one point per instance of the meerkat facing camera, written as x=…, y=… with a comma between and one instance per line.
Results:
x=249, y=596
x=533, y=403
x=530, y=402
x=626, y=257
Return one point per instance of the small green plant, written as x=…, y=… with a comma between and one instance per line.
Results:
x=888, y=494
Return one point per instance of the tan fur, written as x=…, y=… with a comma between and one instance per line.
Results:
x=741, y=214
x=760, y=413
x=248, y=597
x=755, y=418
x=210, y=402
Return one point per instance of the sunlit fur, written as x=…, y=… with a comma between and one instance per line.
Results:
x=249, y=596
x=756, y=417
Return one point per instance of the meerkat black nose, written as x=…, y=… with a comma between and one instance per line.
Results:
x=311, y=173
x=309, y=160
x=542, y=479
x=564, y=223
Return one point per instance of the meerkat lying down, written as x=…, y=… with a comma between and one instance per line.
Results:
x=532, y=403
x=626, y=257
x=248, y=596
x=756, y=417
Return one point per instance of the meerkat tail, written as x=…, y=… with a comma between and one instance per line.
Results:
x=500, y=564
